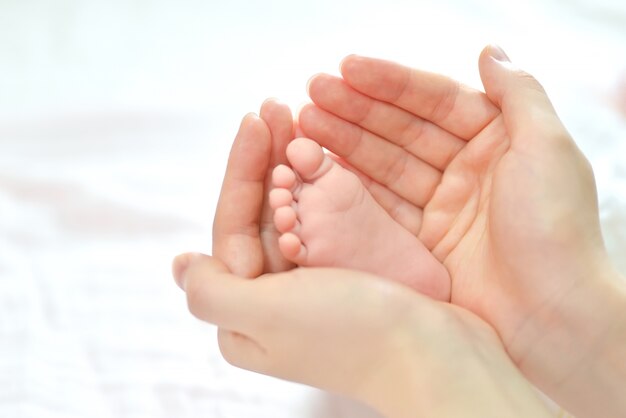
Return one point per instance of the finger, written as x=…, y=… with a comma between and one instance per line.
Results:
x=386, y=163
x=280, y=122
x=525, y=105
x=454, y=107
x=215, y=295
x=297, y=133
x=236, y=238
x=421, y=138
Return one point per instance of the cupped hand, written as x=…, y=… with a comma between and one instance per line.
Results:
x=491, y=183
x=364, y=337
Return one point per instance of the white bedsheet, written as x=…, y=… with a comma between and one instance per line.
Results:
x=115, y=122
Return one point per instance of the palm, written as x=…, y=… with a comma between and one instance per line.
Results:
x=459, y=223
x=439, y=158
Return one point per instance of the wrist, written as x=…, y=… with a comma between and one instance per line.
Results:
x=577, y=349
x=459, y=370
x=597, y=388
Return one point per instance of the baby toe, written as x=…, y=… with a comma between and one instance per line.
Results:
x=285, y=219
x=283, y=177
x=280, y=197
x=291, y=247
x=307, y=158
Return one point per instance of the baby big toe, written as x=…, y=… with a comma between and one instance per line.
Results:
x=307, y=158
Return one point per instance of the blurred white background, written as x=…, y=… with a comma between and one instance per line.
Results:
x=116, y=118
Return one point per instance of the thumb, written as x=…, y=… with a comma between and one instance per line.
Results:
x=526, y=108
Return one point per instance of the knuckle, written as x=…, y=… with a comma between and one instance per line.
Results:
x=197, y=300
x=446, y=104
x=225, y=344
x=530, y=80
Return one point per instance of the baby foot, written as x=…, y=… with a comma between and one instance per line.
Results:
x=328, y=219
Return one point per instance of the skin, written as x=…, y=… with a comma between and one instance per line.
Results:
x=496, y=188
x=382, y=323
x=250, y=246
x=555, y=302
x=329, y=219
x=443, y=361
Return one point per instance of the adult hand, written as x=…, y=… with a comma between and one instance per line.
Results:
x=497, y=189
x=355, y=334
x=244, y=236
x=337, y=330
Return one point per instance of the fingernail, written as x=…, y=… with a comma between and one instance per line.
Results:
x=179, y=266
x=498, y=54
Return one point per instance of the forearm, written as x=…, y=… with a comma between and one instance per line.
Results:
x=580, y=357
x=476, y=381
